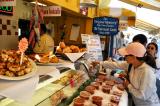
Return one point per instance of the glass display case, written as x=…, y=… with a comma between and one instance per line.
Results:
x=51, y=91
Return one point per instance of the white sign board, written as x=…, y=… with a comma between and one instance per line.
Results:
x=52, y=11
x=93, y=47
x=84, y=38
x=7, y=2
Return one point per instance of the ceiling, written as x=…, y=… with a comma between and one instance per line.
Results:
x=154, y=5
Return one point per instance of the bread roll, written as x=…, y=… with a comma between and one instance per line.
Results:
x=75, y=49
x=67, y=50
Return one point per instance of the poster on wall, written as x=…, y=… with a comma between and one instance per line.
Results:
x=7, y=2
x=105, y=26
x=74, y=32
x=94, y=50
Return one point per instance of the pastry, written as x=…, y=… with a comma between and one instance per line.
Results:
x=54, y=59
x=90, y=89
x=83, y=49
x=62, y=45
x=97, y=100
x=79, y=101
x=112, y=104
x=95, y=84
x=102, y=77
x=99, y=80
x=10, y=64
x=44, y=60
x=120, y=87
x=110, y=82
x=85, y=94
x=115, y=99
x=67, y=50
x=2, y=71
x=117, y=93
x=57, y=97
x=106, y=88
x=59, y=50
x=75, y=49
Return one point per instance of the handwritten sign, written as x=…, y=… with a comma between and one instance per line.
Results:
x=52, y=11
x=105, y=26
x=7, y=2
x=94, y=48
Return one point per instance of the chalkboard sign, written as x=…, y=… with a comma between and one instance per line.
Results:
x=105, y=26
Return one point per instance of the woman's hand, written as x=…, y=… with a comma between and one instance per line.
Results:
x=126, y=83
x=110, y=59
x=95, y=63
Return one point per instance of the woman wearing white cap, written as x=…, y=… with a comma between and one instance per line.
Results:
x=142, y=85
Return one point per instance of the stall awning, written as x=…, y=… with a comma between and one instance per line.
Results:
x=150, y=4
x=145, y=26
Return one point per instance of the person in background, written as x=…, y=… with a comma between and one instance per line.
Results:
x=46, y=43
x=142, y=80
x=152, y=48
x=141, y=38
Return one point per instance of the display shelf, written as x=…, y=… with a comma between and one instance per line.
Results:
x=43, y=94
x=68, y=91
x=40, y=95
x=46, y=88
x=43, y=83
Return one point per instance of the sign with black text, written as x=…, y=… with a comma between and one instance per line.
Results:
x=52, y=11
x=105, y=26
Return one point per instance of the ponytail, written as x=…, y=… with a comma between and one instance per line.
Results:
x=148, y=59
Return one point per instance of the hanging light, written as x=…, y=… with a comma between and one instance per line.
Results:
x=88, y=3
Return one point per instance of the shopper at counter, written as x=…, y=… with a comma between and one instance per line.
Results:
x=46, y=43
x=142, y=80
x=141, y=38
x=152, y=48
